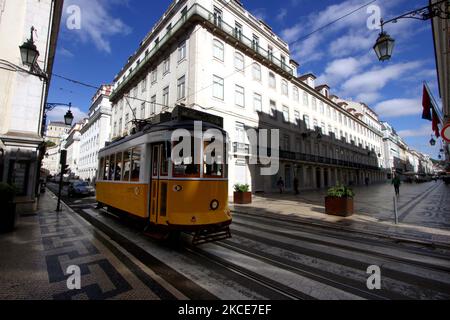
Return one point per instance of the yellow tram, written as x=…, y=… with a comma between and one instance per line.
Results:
x=136, y=176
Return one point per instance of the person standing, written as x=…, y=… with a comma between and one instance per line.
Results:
x=296, y=186
x=280, y=185
x=396, y=182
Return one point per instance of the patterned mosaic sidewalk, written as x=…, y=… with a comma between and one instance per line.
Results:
x=34, y=260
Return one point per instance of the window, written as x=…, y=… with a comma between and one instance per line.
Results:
x=305, y=99
x=297, y=117
x=186, y=168
x=239, y=61
x=284, y=88
x=126, y=167
x=218, y=87
x=285, y=114
x=322, y=127
x=239, y=93
x=217, y=17
x=256, y=72
x=272, y=80
x=120, y=126
x=322, y=107
x=296, y=94
x=212, y=169
x=143, y=110
x=119, y=165
x=306, y=120
x=316, y=124
x=314, y=104
x=182, y=51
x=238, y=30
x=286, y=142
x=255, y=42
x=106, y=169
x=154, y=75
x=166, y=65
x=218, y=50
x=153, y=105
x=257, y=102
x=136, y=164
x=112, y=161
x=144, y=85
x=330, y=130
x=181, y=88
x=273, y=109
x=166, y=97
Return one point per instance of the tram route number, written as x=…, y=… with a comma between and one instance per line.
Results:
x=226, y=310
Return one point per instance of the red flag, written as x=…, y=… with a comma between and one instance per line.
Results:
x=426, y=103
x=436, y=122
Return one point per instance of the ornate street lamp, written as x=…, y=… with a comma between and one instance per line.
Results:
x=384, y=45
x=432, y=141
x=68, y=118
x=29, y=52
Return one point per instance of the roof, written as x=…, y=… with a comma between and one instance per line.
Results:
x=306, y=76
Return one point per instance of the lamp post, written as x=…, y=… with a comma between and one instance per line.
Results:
x=29, y=54
x=384, y=46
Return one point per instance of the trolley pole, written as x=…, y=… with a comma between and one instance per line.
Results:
x=62, y=162
x=396, y=209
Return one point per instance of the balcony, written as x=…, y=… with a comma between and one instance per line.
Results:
x=198, y=13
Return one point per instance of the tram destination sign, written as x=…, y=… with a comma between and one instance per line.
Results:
x=183, y=113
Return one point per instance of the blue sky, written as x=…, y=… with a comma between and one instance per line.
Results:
x=340, y=55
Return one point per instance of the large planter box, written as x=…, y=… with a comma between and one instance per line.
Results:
x=8, y=217
x=242, y=198
x=342, y=207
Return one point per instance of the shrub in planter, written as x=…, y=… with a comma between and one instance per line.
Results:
x=241, y=194
x=8, y=208
x=339, y=201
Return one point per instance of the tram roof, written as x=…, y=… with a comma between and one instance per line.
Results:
x=165, y=126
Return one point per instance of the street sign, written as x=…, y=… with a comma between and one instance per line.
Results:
x=445, y=134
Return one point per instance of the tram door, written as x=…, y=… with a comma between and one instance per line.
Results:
x=158, y=189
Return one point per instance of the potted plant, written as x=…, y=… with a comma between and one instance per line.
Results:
x=242, y=194
x=339, y=201
x=8, y=208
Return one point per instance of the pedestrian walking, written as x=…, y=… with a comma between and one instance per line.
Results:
x=367, y=181
x=396, y=182
x=296, y=186
x=280, y=185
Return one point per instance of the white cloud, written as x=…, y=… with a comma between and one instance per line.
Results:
x=399, y=107
x=349, y=44
x=340, y=69
x=58, y=113
x=282, y=14
x=376, y=79
x=98, y=24
x=423, y=131
x=64, y=52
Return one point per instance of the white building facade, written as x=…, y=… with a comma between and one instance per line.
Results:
x=215, y=56
x=22, y=95
x=51, y=160
x=72, y=145
x=96, y=131
x=55, y=131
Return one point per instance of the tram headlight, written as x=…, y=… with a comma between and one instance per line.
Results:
x=214, y=205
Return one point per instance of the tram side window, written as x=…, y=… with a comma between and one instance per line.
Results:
x=212, y=169
x=106, y=169
x=126, y=165
x=119, y=165
x=112, y=164
x=186, y=168
x=136, y=164
x=101, y=168
x=164, y=161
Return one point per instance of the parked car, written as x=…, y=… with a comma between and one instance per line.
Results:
x=80, y=188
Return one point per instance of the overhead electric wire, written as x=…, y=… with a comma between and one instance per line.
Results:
x=226, y=77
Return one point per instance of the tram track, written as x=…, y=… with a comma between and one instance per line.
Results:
x=318, y=231
x=287, y=292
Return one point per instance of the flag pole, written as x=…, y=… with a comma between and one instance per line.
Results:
x=434, y=104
